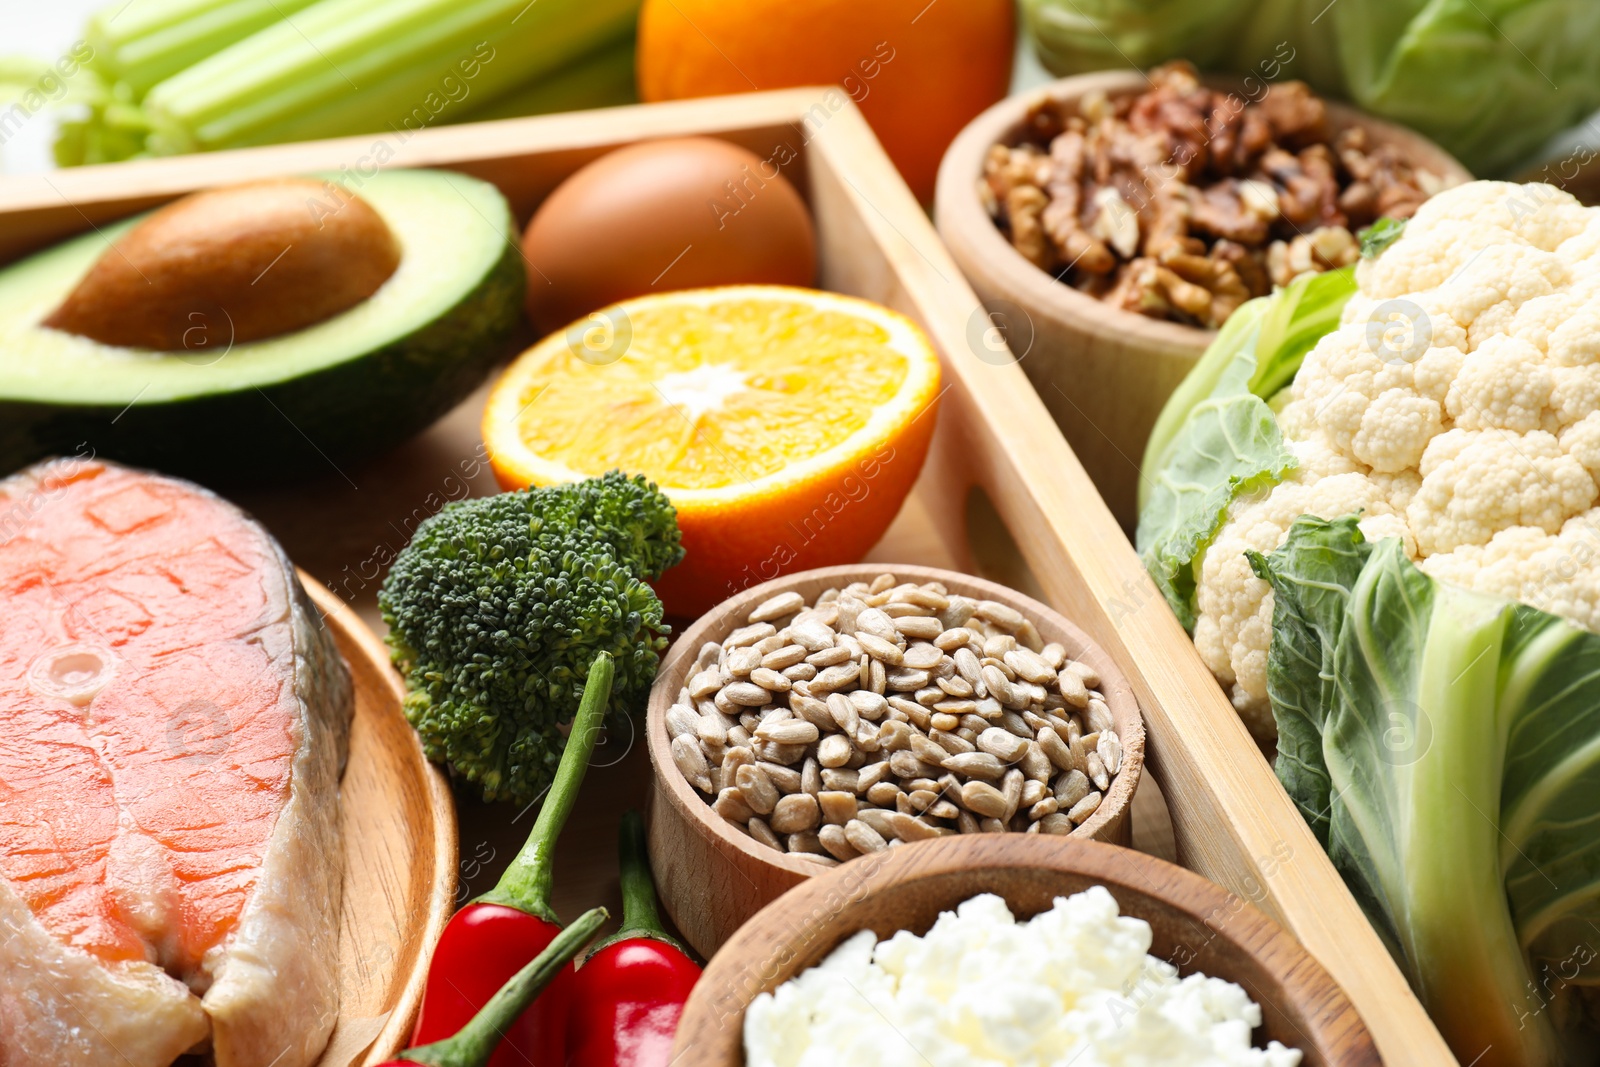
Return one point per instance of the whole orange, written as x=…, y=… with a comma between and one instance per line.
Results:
x=920, y=70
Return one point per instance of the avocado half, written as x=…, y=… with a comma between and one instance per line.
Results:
x=333, y=393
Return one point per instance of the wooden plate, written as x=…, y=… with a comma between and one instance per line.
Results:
x=1196, y=926
x=400, y=854
x=713, y=876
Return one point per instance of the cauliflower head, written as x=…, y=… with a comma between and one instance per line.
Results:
x=1456, y=407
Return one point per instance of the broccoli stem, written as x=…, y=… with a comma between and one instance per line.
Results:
x=526, y=884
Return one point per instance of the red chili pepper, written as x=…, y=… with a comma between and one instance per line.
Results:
x=474, y=1043
x=489, y=940
x=630, y=993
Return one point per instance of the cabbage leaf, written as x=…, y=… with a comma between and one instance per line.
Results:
x=1445, y=745
x=1217, y=439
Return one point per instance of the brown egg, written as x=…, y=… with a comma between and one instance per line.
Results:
x=674, y=214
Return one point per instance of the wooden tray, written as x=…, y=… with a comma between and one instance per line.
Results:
x=998, y=468
x=400, y=854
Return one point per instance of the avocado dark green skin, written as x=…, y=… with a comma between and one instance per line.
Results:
x=336, y=416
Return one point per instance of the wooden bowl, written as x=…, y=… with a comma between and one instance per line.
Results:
x=1102, y=372
x=1197, y=926
x=711, y=875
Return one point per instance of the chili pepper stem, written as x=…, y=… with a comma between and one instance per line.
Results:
x=475, y=1042
x=640, y=917
x=527, y=882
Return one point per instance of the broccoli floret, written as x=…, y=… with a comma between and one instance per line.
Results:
x=497, y=607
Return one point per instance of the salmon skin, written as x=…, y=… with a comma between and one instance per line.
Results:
x=173, y=724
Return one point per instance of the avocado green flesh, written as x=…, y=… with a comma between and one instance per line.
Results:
x=356, y=384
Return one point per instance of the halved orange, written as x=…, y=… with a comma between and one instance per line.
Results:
x=786, y=425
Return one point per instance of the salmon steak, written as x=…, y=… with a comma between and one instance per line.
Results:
x=173, y=724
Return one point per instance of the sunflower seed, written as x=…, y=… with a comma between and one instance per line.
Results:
x=831, y=656
x=758, y=790
x=1029, y=666
x=1057, y=750
x=778, y=607
x=812, y=711
x=1007, y=618
x=883, y=794
x=906, y=764
x=835, y=678
x=805, y=843
x=811, y=635
x=681, y=720
x=880, y=649
x=834, y=751
x=1097, y=771
x=1056, y=825
x=795, y=814
x=784, y=657
x=1084, y=808
x=787, y=732
x=1011, y=789
x=904, y=680
x=691, y=761
x=1109, y=749
x=837, y=806
x=864, y=838
x=833, y=839
x=749, y=635
x=995, y=681
x=757, y=828
x=1072, y=689
x=976, y=765
x=1071, y=788
x=1002, y=744
x=746, y=694
x=770, y=680
x=981, y=798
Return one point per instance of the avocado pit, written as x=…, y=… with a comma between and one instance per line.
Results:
x=232, y=265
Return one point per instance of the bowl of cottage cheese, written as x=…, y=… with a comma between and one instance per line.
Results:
x=1017, y=951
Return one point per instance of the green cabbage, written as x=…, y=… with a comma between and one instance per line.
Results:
x=1445, y=746
x=1490, y=80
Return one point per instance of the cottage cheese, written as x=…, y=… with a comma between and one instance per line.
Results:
x=1075, y=985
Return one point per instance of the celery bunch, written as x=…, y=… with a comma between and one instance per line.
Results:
x=198, y=75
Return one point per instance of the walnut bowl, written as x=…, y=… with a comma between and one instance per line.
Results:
x=1196, y=926
x=1102, y=372
x=711, y=875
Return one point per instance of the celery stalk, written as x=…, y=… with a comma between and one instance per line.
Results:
x=148, y=41
x=600, y=79
x=351, y=66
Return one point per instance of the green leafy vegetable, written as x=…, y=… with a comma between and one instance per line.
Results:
x=1217, y=438
x=198, y=75
x=1380, y=235
x=499, y=605
x=1446, y=746
x=1490, y=80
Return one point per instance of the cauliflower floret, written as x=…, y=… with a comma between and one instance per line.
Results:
x=1456, y=407
x=1504, y=385
x=1575, y=342
x=1234, y=626
x=1476, y=483
x=1395, y=429
x=1556, y=573
x=1574, y=396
